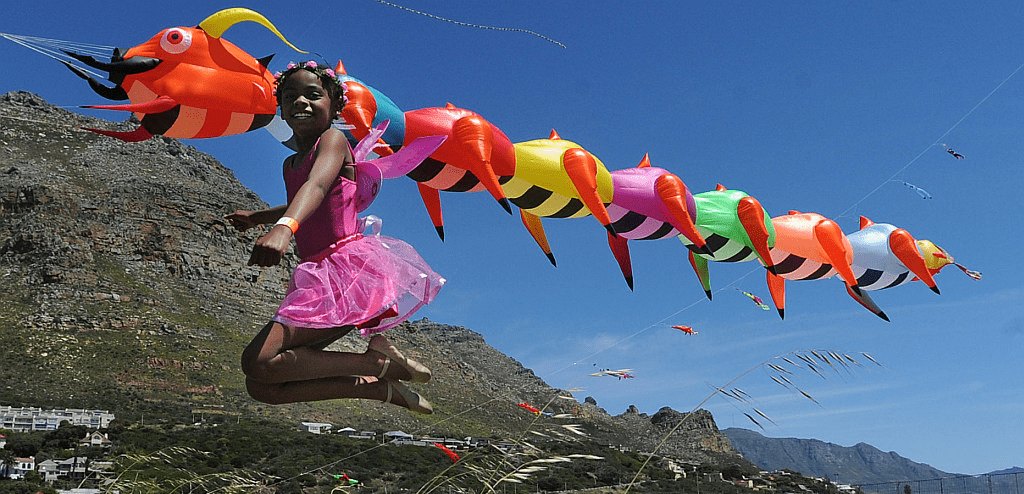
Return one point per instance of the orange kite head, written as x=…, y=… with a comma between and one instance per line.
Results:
x=188, y=82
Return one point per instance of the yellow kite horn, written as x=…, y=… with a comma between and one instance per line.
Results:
x=216, y=24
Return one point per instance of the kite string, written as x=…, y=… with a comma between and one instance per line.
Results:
x=933, y=144
x=55, y=49
x=460, y=23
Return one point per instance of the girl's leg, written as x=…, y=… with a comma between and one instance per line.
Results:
x=283, y=354
x=330, y=388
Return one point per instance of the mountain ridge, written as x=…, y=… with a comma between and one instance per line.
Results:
x=861, y=463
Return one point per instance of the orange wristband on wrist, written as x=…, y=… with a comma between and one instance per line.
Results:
x=290, y=222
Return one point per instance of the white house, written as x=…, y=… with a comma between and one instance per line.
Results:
x=23, y=466
x=397, y=435
x=95, y=438
x=70, y=468
x=317, y=427
x=22, y=419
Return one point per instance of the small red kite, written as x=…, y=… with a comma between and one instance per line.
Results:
x=685, y=329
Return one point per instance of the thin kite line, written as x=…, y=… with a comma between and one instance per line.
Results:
x=937, y=141
x=432, y=16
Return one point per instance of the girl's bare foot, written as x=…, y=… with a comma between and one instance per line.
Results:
x=417, y=372
x=402, y=396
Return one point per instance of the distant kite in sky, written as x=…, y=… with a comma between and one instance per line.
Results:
x=921, y=192
x=685, y=329
x=757, y=300
x=467, y=24
x=955, y=154
x=620, y=373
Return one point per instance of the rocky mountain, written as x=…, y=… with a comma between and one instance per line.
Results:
x=859, y=464
x=125, y=289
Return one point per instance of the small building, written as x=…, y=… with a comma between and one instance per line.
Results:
x=317, y=427
x=24, y=419
x=75, y=468
x=478, y=442
x=345, y=431
x=95, y=438
x=22, y=466
x=397, y=436
x=364, y=435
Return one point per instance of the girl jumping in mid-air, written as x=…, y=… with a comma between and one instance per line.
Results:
x=344, y=281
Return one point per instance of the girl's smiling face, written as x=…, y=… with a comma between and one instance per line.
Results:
x=305, y=105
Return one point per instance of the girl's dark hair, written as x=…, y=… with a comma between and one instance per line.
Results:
x=328, y=79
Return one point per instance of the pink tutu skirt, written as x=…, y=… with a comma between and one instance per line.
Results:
x=373, y=282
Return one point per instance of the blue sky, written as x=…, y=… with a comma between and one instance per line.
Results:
x=813, y=106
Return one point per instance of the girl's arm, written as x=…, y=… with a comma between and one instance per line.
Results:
x=332, y=160
x=243, y=220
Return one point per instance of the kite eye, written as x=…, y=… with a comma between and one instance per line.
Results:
x=176, y=40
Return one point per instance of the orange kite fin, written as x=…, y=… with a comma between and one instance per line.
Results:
x=752, y=217
x=536, y=228
x=432, y=200
x=777, y=288
x=581, y=167
x=905, y=248
x=673, y=194
x=830, y=238
x=474, y=136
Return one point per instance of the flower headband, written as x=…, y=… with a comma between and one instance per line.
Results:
x=309, y=65
x=321, y=71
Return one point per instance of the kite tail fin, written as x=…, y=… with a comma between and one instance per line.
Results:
x=138, y=135
x=620, y=249
x=777, y=288
x=864, y=300
x=432, y=201
x=700, y=267
x=536, y=228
